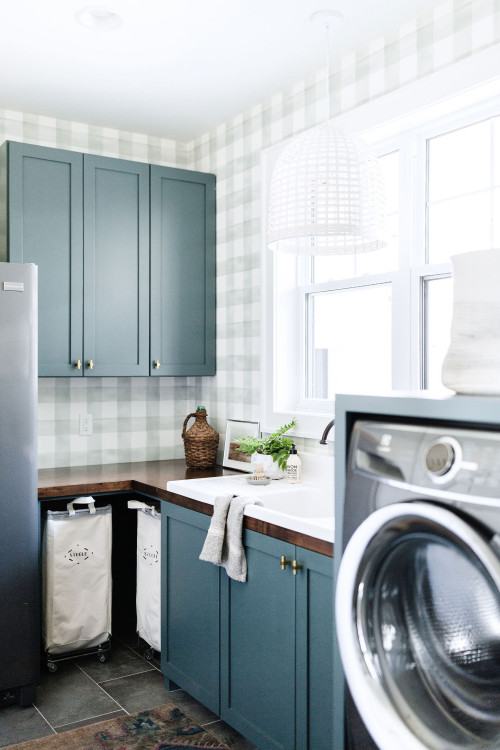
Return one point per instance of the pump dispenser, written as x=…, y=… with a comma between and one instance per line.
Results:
x=293, y=467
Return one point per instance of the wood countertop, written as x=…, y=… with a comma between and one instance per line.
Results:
x=143, y=476
x=150, y=478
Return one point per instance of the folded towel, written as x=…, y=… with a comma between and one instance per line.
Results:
x=212, y=549
x=224, y=543
x=233, y=554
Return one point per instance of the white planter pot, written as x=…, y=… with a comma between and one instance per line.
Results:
x=271, y=468
x=472, y=364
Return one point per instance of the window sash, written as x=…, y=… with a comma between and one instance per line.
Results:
x=408, y=283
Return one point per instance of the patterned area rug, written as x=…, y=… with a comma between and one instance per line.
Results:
x=162, y=728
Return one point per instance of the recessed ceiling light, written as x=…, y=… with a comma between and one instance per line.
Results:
x=331, y=19
x=98, y=18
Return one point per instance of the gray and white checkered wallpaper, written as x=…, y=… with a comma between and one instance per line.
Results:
x=452, y=31
x=139, y=419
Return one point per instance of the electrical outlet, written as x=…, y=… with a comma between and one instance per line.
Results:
x=85, y=424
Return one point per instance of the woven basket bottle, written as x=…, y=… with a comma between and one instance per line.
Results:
x=200, y=441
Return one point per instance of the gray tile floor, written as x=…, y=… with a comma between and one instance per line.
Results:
x=84, y=691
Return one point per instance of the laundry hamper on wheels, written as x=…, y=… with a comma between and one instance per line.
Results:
x=148, y=595
x=76, y=582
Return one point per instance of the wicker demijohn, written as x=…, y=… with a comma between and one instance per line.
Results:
x=200, y=441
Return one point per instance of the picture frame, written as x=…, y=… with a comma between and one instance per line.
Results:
x=233, y=458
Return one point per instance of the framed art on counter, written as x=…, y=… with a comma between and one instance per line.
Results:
x=233, y=457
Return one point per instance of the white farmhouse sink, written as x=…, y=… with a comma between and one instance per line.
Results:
x=307, y=507
x=302, y=501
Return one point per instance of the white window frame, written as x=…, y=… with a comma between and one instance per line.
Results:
x=427, y=109
x=304, y=404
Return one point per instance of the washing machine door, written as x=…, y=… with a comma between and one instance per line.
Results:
x=418, y=625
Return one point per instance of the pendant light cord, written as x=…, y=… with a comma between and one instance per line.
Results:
x=329, y=20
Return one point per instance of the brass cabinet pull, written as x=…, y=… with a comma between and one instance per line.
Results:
x=296, y=567
x=284, y=562
x=157, y=364
x=91, y=364
x=78, y=364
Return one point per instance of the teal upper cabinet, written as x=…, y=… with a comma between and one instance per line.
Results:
x=182, y=272
x=85, y=221
x=116, y=266
x=44, y=225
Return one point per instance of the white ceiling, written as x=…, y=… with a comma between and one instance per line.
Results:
x=175, y=68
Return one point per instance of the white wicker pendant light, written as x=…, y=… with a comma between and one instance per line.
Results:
x=326, y=192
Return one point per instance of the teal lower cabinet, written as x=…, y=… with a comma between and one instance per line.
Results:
x=190, y=606
x=258, y=654
x=314, y=651
x=258, y=646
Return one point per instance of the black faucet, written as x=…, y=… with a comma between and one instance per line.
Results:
x=326, y=431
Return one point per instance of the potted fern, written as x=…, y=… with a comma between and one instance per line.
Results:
x=272, y=451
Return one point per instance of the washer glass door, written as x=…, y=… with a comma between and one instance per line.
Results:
x=418, y=620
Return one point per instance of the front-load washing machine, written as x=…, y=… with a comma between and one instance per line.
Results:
x=418, y=589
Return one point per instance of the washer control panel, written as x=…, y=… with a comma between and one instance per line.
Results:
x=451, y=459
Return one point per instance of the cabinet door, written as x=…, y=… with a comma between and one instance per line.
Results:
x=116, y=255
x=314, y=675
x=45, y=227
x=182, y=272
x=190, y=606
x=258, y=646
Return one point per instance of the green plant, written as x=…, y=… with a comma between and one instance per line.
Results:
x=275, y=445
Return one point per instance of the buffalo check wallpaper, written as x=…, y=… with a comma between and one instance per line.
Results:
x=137, y=419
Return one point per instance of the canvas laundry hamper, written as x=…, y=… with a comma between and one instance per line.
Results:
x=76, y=581
x=148, y=592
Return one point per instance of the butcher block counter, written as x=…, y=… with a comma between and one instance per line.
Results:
x=150, y=478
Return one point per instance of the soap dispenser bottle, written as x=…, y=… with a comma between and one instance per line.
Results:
x=293, y=467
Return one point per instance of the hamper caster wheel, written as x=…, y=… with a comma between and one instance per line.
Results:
x=51, y=666
x=149, y=654
x=103, y=658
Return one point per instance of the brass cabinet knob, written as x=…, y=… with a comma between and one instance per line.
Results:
x=91, y=364
x=296, y=567
x=78, y=364
x=157, y=364
x=284, y=562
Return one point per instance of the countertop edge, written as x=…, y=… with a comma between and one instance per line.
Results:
x=262, y=527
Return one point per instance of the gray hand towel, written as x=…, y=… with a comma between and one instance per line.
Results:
x=212, y=549
x=233, y=553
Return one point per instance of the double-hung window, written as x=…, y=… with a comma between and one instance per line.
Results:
x=380, y=321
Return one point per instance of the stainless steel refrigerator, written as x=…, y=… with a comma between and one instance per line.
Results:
x=19, y=517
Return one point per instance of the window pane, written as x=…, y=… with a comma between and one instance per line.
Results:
x=350, y=341
x=332, y=267
x=496, y=150
x=460, y=162
x=438, y=308
x=463, y=170
x=459, y=225
x=496, y=218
